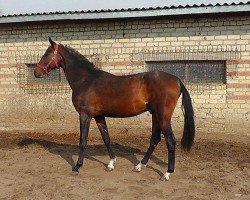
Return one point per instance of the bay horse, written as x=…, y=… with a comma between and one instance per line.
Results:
x=98, y=94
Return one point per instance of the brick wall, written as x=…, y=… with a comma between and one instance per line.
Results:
x=109, y=45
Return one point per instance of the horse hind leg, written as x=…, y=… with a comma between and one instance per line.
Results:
x=155, y=139
x=102, y=126
x=170, y=141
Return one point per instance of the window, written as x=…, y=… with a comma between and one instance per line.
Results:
x=193, y=71
x=56, y=82
x=55, y=76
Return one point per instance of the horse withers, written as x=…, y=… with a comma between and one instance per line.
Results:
x=98, y=94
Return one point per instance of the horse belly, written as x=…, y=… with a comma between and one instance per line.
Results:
x=127, y=97
x=126, y=108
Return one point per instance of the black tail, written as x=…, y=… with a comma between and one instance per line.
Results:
x=189, y=126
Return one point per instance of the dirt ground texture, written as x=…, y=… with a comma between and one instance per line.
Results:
x=37, y=165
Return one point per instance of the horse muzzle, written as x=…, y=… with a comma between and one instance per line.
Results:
x=38, y=73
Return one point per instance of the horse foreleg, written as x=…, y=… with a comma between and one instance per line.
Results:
x=170, y=140
x=155, y=139
x=84, y=130
x=101, y=123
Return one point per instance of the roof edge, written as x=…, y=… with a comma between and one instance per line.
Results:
x=129, y=13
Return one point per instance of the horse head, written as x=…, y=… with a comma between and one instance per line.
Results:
x=52, y=59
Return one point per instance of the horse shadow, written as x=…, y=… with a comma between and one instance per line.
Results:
x=67, y=151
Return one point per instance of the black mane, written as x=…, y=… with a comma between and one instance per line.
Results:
x=79, y=56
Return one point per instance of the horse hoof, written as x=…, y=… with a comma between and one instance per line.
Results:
x=138, y=167
x=109, y=168
x=74, y=173
x=76, y=168
x=165, y=177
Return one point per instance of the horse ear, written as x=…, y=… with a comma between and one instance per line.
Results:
x=51, y=42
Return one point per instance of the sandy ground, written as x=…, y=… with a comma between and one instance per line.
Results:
x=37, y=165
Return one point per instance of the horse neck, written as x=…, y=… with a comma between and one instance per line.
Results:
x=76, y=70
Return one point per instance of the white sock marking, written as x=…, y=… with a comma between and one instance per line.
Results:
x=166, y=176
x=139, y=167
x=111, y=164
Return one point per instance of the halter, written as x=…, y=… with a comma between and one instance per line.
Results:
x=54, y=59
